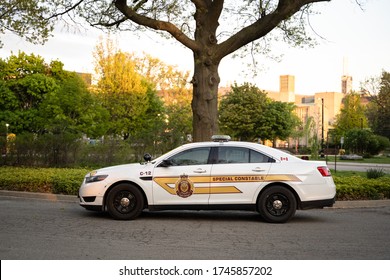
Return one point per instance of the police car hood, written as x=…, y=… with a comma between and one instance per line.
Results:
x=123, y=168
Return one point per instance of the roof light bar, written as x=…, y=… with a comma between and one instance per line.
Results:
x=220, y=138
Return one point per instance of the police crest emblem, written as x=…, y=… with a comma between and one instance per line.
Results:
x=184, y=187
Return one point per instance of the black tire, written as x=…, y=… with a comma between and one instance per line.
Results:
x=277, y=204
x=125, y=202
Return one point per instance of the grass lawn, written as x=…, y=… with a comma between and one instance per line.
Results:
x=375, y=160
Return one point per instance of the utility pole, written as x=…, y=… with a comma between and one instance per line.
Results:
x=322, y=130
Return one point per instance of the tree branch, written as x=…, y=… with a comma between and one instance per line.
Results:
x=66, y=11
x=199, y=3
x=263, y=26
x=110, y=24
x=131, y=14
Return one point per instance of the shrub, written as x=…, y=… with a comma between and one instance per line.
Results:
x=373, y=173
x=48, y=180
x=66, y=150
x=360, y=188
x=365, y=142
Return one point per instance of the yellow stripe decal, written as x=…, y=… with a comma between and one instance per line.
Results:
x=164, y=182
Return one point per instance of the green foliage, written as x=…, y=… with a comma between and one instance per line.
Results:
x=127, y=87
x=68, y=150
x=29, y=149
x=352, y=115
x=352, y=123
x=25, y=18
x=22, y=64
x=374, y=173
x=72, y=109
x=40, y=98
x=247, y=113
x=46, y=180
x=365, y=142
x=361, y=188
x=50, y=111
x=279, y=120
x=378, y=111
x=128, y=97
x=241, y=111
x=106, y=152
x=178, y=124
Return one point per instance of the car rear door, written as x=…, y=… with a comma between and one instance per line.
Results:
x=237, y=175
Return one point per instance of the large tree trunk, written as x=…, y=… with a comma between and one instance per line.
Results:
x=205, y=99
x=206, y=79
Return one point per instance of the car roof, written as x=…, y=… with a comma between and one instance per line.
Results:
x=269, y=151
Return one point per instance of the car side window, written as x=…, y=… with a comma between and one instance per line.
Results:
x=256, y=157
x=233, y=155
x=240, y=155
x=194, y=156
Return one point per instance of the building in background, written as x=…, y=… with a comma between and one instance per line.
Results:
x=321, y=109
x=286, y=91
x=346, y=84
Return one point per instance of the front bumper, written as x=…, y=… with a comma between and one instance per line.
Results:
x=91, y=195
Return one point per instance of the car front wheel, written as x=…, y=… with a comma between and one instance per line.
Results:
x=277, y=204
x=125, y=202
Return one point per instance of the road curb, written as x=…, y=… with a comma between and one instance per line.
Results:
x=362, y=203
x=73, y=198
x=45, y=196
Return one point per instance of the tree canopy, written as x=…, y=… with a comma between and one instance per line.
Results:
x=352, y=114
x=241, y=112
x=247, y=113
x=26, y=18
x=51, y=112
x=43, y=98
x=378, y=111
x=211, y=29
x=365, y=142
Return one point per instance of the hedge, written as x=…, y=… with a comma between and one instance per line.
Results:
x=47, y=180
x=361, y=188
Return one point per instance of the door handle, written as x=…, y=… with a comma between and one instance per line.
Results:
x=258, y=169
x=199, y=170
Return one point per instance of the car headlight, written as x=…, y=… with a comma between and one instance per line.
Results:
x=95, y=178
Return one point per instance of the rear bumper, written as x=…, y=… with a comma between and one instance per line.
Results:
x=304, y=205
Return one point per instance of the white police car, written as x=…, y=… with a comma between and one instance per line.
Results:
x=221, y=174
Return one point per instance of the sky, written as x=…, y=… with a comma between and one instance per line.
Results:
x=353, y=42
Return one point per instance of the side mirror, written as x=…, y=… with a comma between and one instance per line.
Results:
x=147, y=157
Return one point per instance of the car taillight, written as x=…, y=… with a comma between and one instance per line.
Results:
x=324, y=170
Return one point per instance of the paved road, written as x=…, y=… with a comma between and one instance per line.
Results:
x=355, y=166
x=37, y=226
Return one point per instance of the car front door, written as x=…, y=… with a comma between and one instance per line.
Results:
x=237, y=175
x=183, y=178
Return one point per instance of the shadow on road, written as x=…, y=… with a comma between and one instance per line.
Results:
x=215, y=216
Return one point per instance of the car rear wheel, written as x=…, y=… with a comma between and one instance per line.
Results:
x=125, y=202
x=277, y=204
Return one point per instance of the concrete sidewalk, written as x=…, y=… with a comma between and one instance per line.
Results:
x=74, y=199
